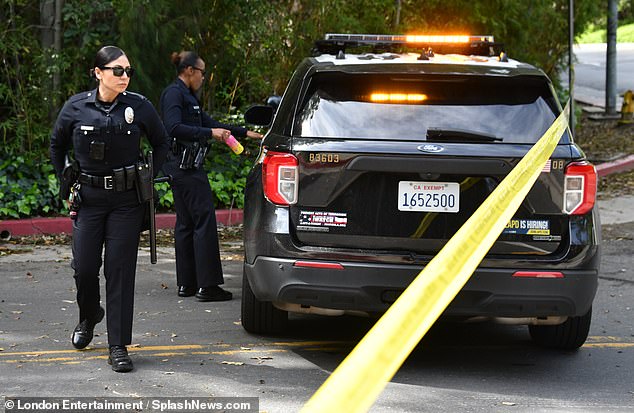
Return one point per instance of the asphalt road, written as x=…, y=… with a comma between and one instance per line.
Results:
x=186, y=348
x=590, y=72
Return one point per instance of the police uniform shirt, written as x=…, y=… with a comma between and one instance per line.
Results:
x=185, y=120
x=115, y=127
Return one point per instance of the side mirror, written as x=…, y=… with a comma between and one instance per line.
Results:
x=259, y=115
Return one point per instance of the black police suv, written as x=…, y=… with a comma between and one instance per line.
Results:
x=374, y=160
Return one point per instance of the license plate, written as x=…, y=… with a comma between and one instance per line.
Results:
x=428, y=196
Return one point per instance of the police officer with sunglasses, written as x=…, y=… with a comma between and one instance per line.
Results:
x=198, y=266
x=104, y=127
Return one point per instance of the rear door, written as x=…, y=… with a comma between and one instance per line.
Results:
x=397, y=163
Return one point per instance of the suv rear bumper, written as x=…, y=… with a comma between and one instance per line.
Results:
x=372, y=287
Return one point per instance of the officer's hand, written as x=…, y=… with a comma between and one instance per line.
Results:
x=220, y=134
x=254, y=135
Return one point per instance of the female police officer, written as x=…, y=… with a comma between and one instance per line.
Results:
x=104, y=127
x=198, y=267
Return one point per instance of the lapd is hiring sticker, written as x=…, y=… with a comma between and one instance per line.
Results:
x=527, y=227
x=129, y=114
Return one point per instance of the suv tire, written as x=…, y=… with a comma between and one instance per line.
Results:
x=260, y=317
x=569, y=335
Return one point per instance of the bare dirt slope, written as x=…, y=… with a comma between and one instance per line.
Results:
x=605, y=141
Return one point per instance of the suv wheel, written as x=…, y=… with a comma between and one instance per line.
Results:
x=567, y=336
x=260, y=316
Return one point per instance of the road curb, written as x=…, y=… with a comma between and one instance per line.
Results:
x=620, y=165
x=58, y=225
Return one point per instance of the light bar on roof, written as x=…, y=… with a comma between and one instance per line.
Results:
x=399, y=38
x=337, y=43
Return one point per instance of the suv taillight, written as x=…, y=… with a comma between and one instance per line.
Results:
x=280, y=177
x=580, y=188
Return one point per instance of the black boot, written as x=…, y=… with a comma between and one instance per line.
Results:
x=119, y=359
x=184, y=291
x=214, y=293
x=82, y=335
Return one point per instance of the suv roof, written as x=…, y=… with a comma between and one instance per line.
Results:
x=478, y=55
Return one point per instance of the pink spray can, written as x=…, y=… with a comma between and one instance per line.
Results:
x=235, y=146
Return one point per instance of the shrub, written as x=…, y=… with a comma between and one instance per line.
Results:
x=28, y=187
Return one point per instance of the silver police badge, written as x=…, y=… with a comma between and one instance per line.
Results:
x=129, y=114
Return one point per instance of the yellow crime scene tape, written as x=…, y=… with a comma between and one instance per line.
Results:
x=360, y=378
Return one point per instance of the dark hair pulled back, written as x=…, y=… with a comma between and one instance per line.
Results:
x=183, y=60
x=104, y=56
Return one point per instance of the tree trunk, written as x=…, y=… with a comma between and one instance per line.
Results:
x=571, y=70
x=51, y=41
x=57, y=45
x=610, y=72
x=47, y=20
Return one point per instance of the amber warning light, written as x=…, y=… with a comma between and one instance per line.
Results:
x=436, y=39
x=398, y=97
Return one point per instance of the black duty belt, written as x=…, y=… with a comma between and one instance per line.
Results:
x=122, y=179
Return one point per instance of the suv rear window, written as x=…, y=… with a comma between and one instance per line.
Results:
x=498, y=109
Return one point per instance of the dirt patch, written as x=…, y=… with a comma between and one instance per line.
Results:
x=618, y=232
x=227, y=235
x=230, y=238
x=605, y=141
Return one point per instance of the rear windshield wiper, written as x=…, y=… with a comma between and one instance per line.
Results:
x=458, y=135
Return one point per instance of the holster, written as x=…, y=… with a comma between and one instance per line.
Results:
x=144, y=178
x=70, y=173
x=200, y=156
x=188, y=156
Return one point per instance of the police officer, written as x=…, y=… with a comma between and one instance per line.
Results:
x=104, y=127
x=198, y=266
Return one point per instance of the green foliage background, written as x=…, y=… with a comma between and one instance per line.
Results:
x=250, y=47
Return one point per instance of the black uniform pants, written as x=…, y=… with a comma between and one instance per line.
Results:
x=196, y=234
x=111, y=219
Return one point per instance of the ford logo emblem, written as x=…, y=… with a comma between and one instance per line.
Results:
x=431, y=148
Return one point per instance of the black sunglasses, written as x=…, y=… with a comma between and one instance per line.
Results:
x=201, y=70
x=118, y=70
